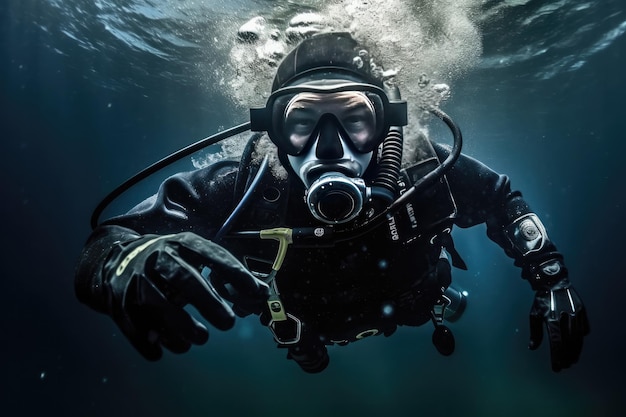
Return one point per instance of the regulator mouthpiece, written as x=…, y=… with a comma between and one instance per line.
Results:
x=335, y=199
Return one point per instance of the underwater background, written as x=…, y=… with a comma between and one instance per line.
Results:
x=93, y=91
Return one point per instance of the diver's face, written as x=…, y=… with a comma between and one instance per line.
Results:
x=330, y=132
x=308, y=114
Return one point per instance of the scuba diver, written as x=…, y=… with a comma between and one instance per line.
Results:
x=347, y=245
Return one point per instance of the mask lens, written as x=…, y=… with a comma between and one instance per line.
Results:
x=359, y=120
x=296, y=118
x=300, y=118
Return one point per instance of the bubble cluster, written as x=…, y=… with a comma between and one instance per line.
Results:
x=432, y=39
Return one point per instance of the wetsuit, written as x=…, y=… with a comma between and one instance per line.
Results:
x=390, y=276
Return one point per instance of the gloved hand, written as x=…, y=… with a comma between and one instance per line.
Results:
x=148, y=282
x=565, y=318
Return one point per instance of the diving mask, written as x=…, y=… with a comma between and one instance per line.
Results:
x=362, y=112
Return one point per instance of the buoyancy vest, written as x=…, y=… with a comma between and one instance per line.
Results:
x=397, y=264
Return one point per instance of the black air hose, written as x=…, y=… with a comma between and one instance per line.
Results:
x=389, y=166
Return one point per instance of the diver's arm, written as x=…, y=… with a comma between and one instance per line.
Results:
x=184, y=202
x=144, y=267
x=483, y=196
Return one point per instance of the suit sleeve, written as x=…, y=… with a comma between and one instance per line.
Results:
x=484, y=196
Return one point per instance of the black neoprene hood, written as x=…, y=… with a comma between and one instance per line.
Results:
x=334, y=52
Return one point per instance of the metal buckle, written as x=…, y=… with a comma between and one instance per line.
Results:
x=288, y=340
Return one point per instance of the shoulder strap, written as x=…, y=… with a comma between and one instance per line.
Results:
x=434, y=208
x=431, y=213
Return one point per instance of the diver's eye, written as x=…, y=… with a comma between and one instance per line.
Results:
x=298, y=129
x=300, y=125
x=357, y=124
x=300, y=121
x=354, y=122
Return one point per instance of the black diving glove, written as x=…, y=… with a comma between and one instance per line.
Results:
x=149, y=281
x=565, y=318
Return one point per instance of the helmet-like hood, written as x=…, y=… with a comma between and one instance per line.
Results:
x=335, y=52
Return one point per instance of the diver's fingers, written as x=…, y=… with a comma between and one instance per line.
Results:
x=223, y=263
x=183, y=284
x=558, y=335
x=181, y=330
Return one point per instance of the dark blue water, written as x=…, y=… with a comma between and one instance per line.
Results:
x=81, y=110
